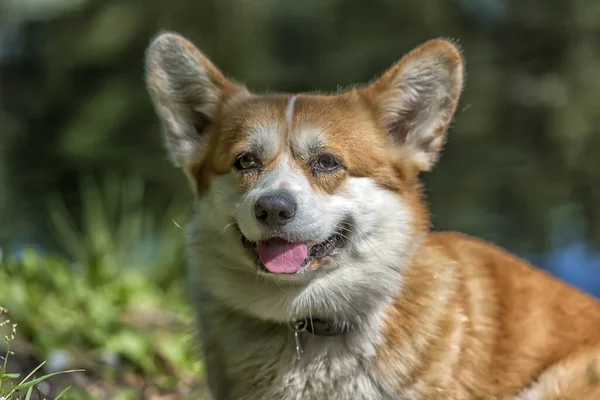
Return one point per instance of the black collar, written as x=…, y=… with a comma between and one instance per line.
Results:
x=320, y=327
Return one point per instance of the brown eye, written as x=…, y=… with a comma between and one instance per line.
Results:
x=326, y=163
x=246, y=161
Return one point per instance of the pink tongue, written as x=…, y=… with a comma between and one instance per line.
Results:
x=281, y=257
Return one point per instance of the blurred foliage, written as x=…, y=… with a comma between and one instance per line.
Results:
x=117, y=231
x=73, y=100
x=109, y=327
x=114, y=305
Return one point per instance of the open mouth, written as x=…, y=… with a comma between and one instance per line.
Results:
x=279, y=256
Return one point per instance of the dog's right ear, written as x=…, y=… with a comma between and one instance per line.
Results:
x=187, y=91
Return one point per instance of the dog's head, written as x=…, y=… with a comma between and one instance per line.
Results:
x=305, y=198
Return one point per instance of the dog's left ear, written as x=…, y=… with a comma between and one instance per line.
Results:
x=415, y=100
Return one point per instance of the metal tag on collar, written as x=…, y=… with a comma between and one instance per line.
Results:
x=299, y=326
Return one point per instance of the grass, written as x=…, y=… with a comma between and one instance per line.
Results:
x=11, y=385
x=110, y=301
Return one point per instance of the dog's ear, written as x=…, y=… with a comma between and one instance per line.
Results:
x=187, y=91
x=415, y=100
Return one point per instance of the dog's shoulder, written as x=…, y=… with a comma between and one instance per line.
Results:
x=521, y=290
x=531, y=319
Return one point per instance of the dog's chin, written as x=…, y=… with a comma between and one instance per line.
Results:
x=317, y=255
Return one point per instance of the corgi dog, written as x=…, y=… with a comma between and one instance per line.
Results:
x=314, y=271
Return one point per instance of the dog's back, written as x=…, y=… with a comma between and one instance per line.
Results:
x=504, y=325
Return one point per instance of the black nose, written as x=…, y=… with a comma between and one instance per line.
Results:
x=275, y=209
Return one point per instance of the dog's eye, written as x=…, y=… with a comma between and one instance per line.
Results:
x=246, y=161
x=326, y=163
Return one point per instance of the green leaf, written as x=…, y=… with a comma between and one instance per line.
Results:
x=34, y=382
x=29, y=393
x=27, y=377
x=9, y=376
x=25, y=385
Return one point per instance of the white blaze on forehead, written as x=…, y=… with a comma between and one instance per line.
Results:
x=289, y=110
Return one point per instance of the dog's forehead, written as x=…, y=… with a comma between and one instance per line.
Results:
x=300, y=124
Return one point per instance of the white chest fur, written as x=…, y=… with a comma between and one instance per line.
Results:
x=248, y=359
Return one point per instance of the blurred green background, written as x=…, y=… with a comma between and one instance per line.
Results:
x=90, y=207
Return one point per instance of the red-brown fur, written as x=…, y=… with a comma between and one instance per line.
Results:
x=513, y=323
